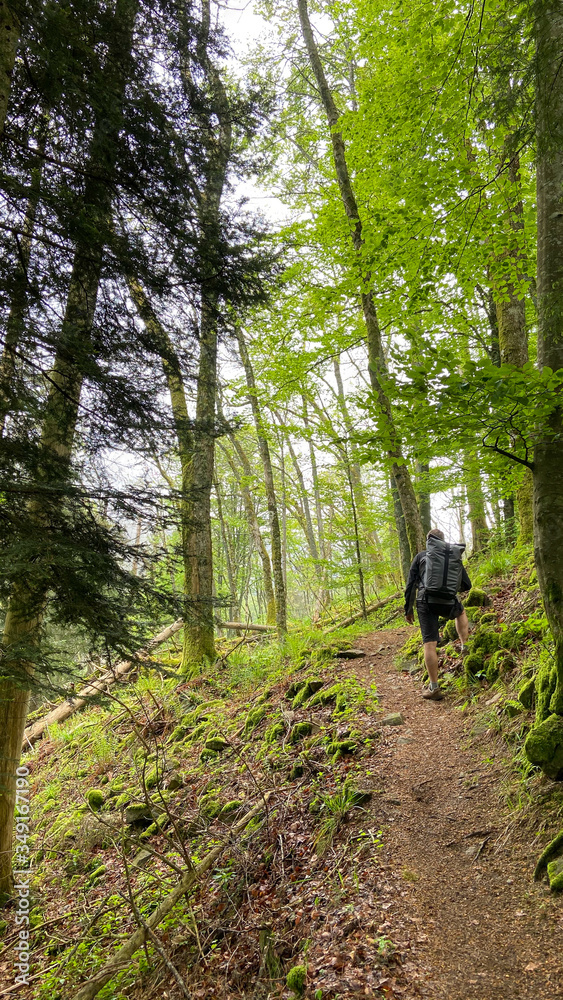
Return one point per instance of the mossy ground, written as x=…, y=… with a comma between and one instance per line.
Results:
x=101, y=797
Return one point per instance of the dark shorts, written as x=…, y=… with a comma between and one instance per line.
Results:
x=429, y=614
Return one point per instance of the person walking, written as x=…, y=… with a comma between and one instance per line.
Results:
x=435, y=578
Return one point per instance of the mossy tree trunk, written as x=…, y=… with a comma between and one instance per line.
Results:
x=548, y=456
x=376, y=359
x=21, y=638
x=476, y=501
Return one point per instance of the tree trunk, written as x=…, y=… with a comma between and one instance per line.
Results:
x=22, y=628
x=231, y=574
x=424, y=504
x=405, y=489
x=18, y=304
x=479, y=528
x=9, y=41
x=402, y=537
x=254, y=525
x=279, y=587
x=548, y=456
x=325, y=594
x=199, y=638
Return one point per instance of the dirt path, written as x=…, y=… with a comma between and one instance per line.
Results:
x=493, y=934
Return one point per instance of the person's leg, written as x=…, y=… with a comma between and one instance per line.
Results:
x=431, y=661
x=462, y=627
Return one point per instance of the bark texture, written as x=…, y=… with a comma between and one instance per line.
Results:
x=548, y=457
x=376, y=357
x=480, y=533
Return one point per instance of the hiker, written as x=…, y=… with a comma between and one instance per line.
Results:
x=439, y=575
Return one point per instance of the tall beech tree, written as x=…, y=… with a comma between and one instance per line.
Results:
x=377, y=364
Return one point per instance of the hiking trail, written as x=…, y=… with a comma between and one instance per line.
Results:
x=486, y=930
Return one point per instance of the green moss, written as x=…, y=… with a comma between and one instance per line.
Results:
x=199, y=732
x=274, y=732
x=340, y=748
x=450, y=630
x=527, y=692
x=209, y=805
x=327, y=696
x=216, y=743
x=555, y=875
x=485, y=640
x=254, y=718
x=476, y=598
x=123, y=799
x=500, y=664
x=295, y=980
x=306, y=692
x=473, y=665
x=179, y=734
x=489, y=618
x=95, y=798
x=293, y=689
x=300, y=731
x=544, y=746
x=512, y=708
x=229, y=809
x=546, y=681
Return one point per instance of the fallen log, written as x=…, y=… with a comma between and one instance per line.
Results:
x=360, y=614
x=247, y=626
x=124, y=954
x=94, y=687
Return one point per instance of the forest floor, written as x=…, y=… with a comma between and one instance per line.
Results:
x=394, y=861
x=487, y=931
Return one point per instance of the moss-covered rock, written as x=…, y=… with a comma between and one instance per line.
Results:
x=450, y=631
x=327, y=696
x=306, y=692
x=95, y=798
x=527, y=692
x=293, y=689
x=341, y=748
x=546, y=680
x=477, y=598
x=230, y=810
x=297, y=771
x=512, y=708
x=216, y=743
x=485, y=640
x=209, y=805
x=300, y=731
x=138, y=814
x=473, y=665
x=501, y=663
x=544, y=746
x=555, y=875
x=254, y=718
x=179, y=734
x=274, y=733
x=295, y=980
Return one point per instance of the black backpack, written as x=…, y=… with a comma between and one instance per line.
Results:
x=442, y=571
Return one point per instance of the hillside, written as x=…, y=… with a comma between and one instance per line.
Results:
x=365, y=842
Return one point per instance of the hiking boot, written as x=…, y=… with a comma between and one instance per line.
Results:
x=435, y=695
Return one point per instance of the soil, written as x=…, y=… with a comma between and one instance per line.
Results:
x=489, y=932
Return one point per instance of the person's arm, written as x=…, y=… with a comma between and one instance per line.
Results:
x=410, y=589
x=465, y=581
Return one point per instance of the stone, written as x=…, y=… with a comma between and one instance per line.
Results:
x=141, y=859
x=216, y=743
x=527, y=693
x=512, y=708
x=393, y=719
x=300, y=731
x=138, y=814
x=555, y=875
x=175, y=781
x=544, y=746
x=351, y=654
x=95, y=798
